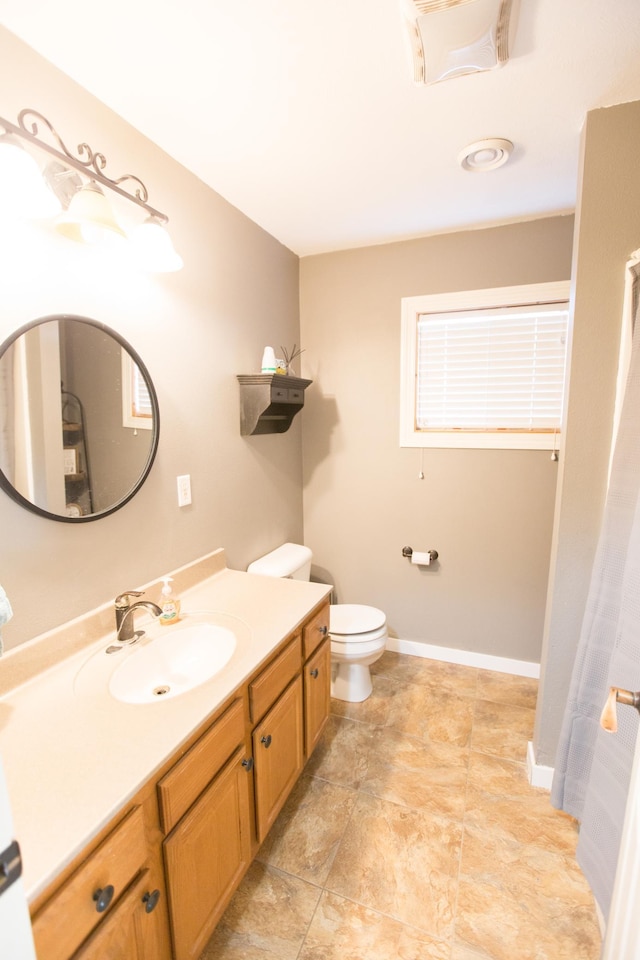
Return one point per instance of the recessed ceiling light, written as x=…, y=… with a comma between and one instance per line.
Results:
x=485, y=155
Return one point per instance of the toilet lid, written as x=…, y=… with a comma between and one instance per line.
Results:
x=348, y=619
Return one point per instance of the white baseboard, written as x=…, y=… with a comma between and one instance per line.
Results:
x=539, y=775
x=466, y=658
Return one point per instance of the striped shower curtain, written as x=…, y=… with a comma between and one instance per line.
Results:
x=593, y=768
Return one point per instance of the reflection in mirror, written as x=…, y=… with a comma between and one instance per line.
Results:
x=79, y=420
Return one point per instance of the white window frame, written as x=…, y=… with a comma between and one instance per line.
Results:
x=131, y=378
x=497, y=297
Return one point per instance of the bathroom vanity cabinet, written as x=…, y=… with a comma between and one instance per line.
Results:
x=114, y=896
x=164, y=870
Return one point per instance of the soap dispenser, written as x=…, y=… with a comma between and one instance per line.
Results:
x=169, y=604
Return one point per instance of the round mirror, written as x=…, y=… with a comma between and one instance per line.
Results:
x=79, y=419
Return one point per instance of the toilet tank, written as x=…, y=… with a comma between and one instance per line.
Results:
x=291, y=560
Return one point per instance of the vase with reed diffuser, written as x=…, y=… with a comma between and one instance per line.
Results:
x=289, y=356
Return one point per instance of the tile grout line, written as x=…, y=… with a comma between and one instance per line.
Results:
x=463, y=819
x=323, y=888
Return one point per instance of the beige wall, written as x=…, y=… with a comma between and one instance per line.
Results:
x=488, y=513
x=607, y=231
x=195, y=330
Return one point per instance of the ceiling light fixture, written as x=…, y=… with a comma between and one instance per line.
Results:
x=89, y=217
x=484, y=155
x=450, y=38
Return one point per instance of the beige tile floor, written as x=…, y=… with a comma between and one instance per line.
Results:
x=414, y=834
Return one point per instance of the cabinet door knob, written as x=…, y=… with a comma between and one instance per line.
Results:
x=103, y=898
x=314, y=673
x=150, y=900
x=266, y=740
x=247, y=763
x=324, y=629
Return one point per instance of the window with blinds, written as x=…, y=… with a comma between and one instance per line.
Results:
x=140, y=398
x=137, y=411
x=489, y=375
x=492, y=369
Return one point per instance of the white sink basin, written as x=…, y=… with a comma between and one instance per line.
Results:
x=179, y=659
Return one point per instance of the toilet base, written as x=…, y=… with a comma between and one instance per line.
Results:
x=351, y=682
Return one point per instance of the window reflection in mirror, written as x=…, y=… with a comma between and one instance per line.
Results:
x=79, y=420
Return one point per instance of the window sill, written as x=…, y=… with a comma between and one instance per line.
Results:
x=481, y=441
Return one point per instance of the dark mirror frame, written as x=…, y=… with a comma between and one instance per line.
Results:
x=5, y=483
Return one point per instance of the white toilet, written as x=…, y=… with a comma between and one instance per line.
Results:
x=358, y=633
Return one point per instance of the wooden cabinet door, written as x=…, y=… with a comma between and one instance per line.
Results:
x=273, y=680
x=71, y=914
x=206, y=856
x=278, y=754
x=317, y=695
x=134, y=930
x=315, y=630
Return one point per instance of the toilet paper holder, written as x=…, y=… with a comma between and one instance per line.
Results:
x=424, y=558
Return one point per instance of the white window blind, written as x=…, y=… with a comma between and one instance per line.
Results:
x=140, y=400
x=137, y=410
x=491, y=369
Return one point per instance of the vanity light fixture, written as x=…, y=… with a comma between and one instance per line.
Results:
x=153, y=248
x=88, y=217
x=23, y=192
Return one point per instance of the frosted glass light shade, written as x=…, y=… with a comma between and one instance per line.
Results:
x=153, y=249
x=90, y=218
x=23, y=192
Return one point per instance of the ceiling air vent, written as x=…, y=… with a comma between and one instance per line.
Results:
x=448, y=38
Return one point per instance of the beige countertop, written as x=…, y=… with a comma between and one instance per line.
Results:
x=73, y=754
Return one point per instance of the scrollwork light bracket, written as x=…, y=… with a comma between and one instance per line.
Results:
x=89, y=162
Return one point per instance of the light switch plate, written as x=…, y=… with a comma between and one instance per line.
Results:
x=184, y=490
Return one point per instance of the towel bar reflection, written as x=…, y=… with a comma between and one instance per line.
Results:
x=608, y=717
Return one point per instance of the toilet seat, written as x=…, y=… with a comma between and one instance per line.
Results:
x=358, y=638
x=356, y=622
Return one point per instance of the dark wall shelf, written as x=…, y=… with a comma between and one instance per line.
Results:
x=77, y=481
x=269, y=402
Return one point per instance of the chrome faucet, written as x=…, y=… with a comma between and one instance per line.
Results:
x=124, y=615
